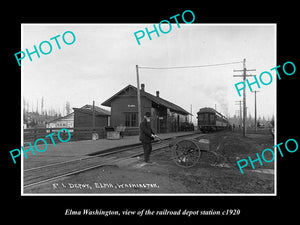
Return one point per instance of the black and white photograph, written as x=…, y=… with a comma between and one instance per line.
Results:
x=144, y=109
x=143, y=113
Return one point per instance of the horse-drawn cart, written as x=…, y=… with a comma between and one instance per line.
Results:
x=188, y=152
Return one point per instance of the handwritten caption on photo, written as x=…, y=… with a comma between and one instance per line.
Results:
x=88, y=186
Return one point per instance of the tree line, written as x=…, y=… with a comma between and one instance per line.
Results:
x=41, y=109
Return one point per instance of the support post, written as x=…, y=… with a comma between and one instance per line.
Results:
x=138, y=95
x=244, y=75
x=255, y=111
x=244, y=100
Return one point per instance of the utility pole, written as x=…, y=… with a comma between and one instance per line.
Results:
x=240, y=104
x=138, y=95
x=255, y=121
x=244, y=93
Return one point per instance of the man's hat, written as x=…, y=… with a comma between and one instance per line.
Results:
x=148, y=114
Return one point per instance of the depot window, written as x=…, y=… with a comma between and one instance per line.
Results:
x=131, y=119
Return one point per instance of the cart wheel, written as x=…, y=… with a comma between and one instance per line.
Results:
x=186, y=153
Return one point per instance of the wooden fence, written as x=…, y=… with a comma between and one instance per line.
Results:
x=77, y=134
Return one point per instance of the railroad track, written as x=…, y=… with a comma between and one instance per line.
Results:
x=42, y=174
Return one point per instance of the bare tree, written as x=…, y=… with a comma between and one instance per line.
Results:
x=42, y=106
x=68, y=108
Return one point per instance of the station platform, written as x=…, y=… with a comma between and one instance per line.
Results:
x=88, y=147
x=77, y=149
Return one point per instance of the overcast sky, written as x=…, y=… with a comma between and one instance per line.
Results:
x=102, y=61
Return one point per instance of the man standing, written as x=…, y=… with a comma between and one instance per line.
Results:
x=146, y=136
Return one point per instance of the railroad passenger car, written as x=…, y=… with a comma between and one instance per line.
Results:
x=211, y=120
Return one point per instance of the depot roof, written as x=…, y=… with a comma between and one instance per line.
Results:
x=158, y=100
x=89, y=109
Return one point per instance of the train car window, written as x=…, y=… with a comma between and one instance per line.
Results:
x=206, y=117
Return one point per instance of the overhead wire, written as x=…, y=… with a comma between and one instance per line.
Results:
x=186, y=67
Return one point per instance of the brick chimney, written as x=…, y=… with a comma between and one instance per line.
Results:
x=157, y=94
x=142, y=87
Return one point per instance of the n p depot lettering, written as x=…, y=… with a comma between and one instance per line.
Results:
x=46, y=47
x=149, y=31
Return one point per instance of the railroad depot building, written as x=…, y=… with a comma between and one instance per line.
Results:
x=62, y=122
x=83, y=117
x=165, y=116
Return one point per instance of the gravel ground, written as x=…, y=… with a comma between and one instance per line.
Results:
x=165, y=177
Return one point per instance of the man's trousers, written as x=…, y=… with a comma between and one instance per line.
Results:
x=147, y=150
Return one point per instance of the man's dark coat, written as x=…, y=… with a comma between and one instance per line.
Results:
x=145, y=132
